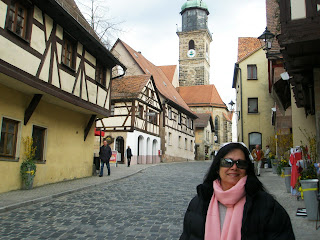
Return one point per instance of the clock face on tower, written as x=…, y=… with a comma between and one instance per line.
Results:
x=191, y=53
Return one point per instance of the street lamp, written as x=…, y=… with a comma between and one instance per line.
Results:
x=231, y=103
x=266, y=39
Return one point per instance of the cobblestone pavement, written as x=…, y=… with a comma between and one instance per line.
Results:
x=148, y=205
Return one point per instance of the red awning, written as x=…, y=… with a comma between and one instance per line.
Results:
x=97, y=132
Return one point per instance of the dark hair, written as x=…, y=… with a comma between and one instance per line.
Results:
x=252, y=185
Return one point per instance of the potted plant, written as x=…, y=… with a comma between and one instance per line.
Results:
x=28, y=167
x=274, y=162
x=284, y=170
x=308, y=179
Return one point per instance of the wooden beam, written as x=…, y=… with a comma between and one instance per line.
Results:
x=89, y=125
x=32, y=106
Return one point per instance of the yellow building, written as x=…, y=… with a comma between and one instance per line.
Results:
x=254, y=102
x=54, y=83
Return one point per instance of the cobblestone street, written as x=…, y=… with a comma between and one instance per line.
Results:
x=149, y=205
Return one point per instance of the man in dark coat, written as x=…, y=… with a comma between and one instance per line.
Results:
x=105, y=155
x=129, y=155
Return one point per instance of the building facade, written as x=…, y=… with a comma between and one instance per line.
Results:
x=135, y=119
x=255, y=104
x=54, y=82
x=176, y=119
x=299, y=40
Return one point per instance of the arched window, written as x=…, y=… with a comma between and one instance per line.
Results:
x=216, y=123
x=216, y=129
x=191, y=44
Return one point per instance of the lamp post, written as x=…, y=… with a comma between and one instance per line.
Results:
x=231, y=103
x=266, y=39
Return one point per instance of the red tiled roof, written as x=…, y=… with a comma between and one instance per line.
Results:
x=228, y=116
x=247, y=46
x=163, y=85
x=201, y=95
x=168, y=71
x=128, y=86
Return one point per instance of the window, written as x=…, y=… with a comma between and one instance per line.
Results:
x=185, y=144
x=254, y=139
x=17, y=19
x=191, y=44
x=252, y=72
x=179, y=142
x=252, y=105
x=100, y=74
x=140, y=111
x=191, y=146
x=179, y=118
x=38, y=135
x=68, y=51
x=112, y=110
x=216, y=129
x=169, y=113
x=152, y=117
x=170, y=138
x=8, y=141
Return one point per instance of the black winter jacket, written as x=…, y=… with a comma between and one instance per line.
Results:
x=263, y=217
x=105, y=153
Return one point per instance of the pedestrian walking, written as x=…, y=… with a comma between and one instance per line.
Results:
x=105, y=155
x=266, y=156
x=232, y=204
x=257, y=155
x=129, y=155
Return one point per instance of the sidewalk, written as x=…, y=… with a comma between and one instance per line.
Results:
x=20, y=198
x=303, y=228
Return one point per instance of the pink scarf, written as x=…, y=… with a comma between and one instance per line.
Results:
x=234, y=199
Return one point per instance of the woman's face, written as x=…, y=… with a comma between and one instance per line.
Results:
x=230, y=176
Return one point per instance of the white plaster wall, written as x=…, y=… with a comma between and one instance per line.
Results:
x=19, y=58
x=37, y=14
x=90, y=58
x=298, y=9
x=3, y=14
x=38, y=39
x=132, y=141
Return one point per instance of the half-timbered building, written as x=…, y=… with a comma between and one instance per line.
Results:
x=135, y=119
x=176, y=119
x=299, y=41
x=54, y=82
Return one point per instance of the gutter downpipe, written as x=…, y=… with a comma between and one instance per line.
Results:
x=241, y=105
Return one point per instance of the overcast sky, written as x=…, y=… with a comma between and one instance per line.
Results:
x=150, y=27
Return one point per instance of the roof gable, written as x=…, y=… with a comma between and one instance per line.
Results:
x=247, y=46
x=164, y=86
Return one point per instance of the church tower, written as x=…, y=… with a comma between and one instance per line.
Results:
x=194, y=44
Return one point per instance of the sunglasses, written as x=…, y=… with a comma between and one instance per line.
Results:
x=228, y=163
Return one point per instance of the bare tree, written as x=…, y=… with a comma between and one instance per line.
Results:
x=95, y=12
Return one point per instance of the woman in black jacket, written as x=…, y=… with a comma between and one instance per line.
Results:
x=254, y=215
